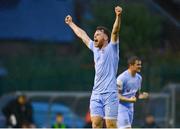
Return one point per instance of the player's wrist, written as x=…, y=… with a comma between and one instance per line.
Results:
x=118, y=15
x=70, y=23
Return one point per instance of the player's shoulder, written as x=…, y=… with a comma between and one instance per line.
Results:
x=139, y=76
x=91, y=44
x=123, y=74
x=113, y=44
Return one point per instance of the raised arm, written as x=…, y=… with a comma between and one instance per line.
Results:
x=77, y=30
x=116, y=26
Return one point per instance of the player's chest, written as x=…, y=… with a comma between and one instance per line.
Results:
x=100, y=56
x=133, y=84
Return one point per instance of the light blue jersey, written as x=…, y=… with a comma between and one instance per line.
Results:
x=106, y=65
x=129, y=86
x=104, y=99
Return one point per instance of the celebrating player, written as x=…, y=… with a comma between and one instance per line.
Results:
x=129, y=84
x=105, y=48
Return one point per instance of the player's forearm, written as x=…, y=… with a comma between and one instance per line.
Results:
x=116, y=26
x=125, y=99
x=77, y=30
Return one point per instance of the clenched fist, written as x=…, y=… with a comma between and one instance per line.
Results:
x=143, y=95
x=118, y=10
x=68, y=19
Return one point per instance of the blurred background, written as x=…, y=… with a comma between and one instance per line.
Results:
x=41, y=57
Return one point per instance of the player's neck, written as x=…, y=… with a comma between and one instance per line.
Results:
x=104, y=45
x=132, y=73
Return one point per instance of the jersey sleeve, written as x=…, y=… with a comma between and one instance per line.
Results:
x=120, y=82
x=91, y=45
x=114, y=43
x=115, y=46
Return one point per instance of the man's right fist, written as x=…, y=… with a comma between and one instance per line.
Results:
x=68, y=19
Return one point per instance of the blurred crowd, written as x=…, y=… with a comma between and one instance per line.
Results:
x=19, y=114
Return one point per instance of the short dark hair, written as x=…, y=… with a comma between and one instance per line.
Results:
x=105, y=30
x=132, y=60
